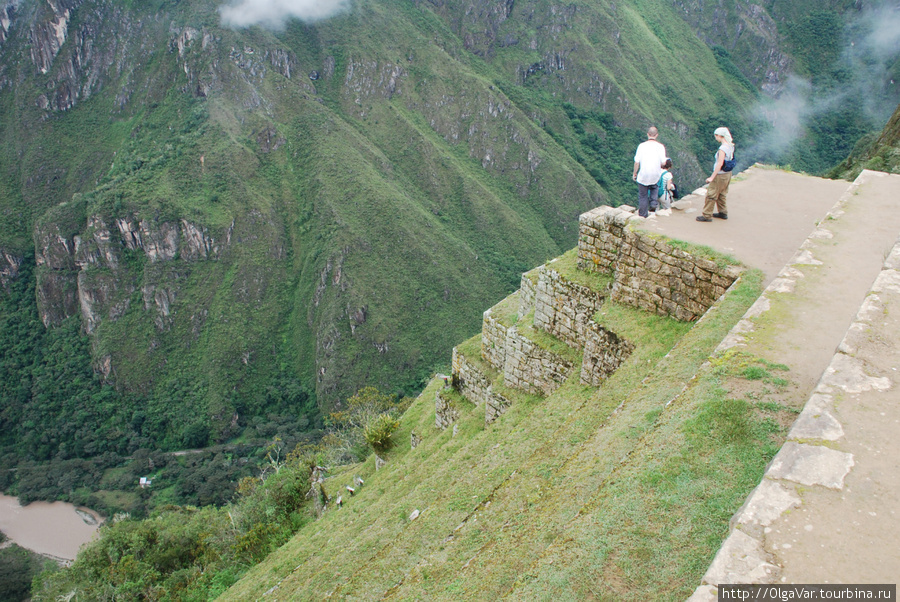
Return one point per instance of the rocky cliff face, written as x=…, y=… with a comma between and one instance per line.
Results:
x=9, y=266
x=89, y=272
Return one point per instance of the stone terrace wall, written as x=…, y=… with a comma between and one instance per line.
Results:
x=524, y=365
x=604, y=351
x=474, y=386
x=649, y=274
x=496, y=405
x=527, y=290
x=445, y=414
x=530, y=368
x=565, y=309
x=493, y=340
x=469, y=380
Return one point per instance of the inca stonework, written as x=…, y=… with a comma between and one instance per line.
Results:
x=647, y=273
x=562, y=308
x=445, y=414
x=523, y=363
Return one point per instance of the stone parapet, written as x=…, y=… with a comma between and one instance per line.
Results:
x=648, y=273
x=601, y=232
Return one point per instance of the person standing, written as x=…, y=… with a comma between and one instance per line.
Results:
x=720, y=179
x=665, y=186
x=648, y=161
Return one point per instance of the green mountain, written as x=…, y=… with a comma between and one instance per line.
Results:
x=876, y=152
x=212, y=234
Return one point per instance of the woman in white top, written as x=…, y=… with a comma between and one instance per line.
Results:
x=720, y=179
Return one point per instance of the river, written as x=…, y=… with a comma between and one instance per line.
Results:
x=54, y=529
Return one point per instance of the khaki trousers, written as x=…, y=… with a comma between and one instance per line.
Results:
x=716, y=193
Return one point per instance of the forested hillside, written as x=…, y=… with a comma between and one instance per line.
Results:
x=216, y=232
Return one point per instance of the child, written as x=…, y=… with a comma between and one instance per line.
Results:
x=665, y=186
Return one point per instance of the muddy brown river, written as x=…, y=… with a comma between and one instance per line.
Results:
x=55, y=529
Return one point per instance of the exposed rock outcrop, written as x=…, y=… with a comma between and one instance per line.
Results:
x=10, y=263
x=86, y=272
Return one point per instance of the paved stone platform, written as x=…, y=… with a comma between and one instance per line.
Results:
x=826, y=510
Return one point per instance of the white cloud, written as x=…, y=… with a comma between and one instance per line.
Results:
x=273, y=14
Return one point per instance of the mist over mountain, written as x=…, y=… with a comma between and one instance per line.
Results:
x=219, y=220
x=275, y=13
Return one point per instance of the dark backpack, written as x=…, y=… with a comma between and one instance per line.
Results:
x=728, y=165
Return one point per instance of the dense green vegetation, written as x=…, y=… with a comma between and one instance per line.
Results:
x=352, y=228
x=879, y=153
x=82, y=439
x=18, y=567
x=190, y=553
x=585, y=492
x=845, y=91
x=187, y=553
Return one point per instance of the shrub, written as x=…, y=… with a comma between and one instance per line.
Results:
x=378, y=431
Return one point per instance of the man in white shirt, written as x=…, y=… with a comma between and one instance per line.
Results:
x=648, y=161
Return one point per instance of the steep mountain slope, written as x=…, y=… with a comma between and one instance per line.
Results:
x=248, y=222
x=881, y=153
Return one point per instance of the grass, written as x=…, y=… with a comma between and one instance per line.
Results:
x=722, y=260
x=567, y=267
x=623, y=492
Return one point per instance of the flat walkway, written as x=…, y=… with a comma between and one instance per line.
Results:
x=827, y=509
x=771, y=214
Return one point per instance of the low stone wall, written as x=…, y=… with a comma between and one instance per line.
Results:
x=524, y=365
x=601, y=232
x=649, y=273
x=495, y=407
x=565, y=309
x=493, y=340
x=530, y=368
x=604, y=352
x=469, y=380
x=475, y=386
x=527, y=290
x=445, y=411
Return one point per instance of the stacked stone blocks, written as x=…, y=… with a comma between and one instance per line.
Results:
x=524, y=364
x=475, y=386
x=565, y=309
x=445, y=411
x=649, y=274
x=604, y=352
x=471, y=382
x=527, y=291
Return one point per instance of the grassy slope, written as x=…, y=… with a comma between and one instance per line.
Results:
x=623, y=491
